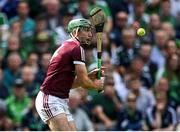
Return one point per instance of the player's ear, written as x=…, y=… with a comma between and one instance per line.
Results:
x=79, y=29
x=73, y=32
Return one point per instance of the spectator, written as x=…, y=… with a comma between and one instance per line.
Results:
x=61, y=31
x=175, y=99
x=129, y=49
x=173, y=95
x=161, y=117
x=41, y=24
x=9, y=7
x=162, y=86
x=170, y=72
x=17, y=103
x=153, y=6
x=145, y=98
x=28, y=76
x=81, y=119
x=6, y=123
x=175, y=7
x=31, y=121
x=154, y=25
x=4, y=35
x=52, y=14
x=42, y=43
x=150, y=68
x=139, y=14
x=12, y=72
x=27, y=26
x=177, y=26
x=35, y=7
x=116, y=33
x=171, y=48
x=107, y=47
x=106, y=107
x=178, y=118
x=15, y=28
x=83, y=9
x=158, y=51
x=129, y=118
x=116, y=6
x=4, y=91
x=14, y=45
x=165, y=12
x=32, y=61
x=90, y=57
x=136, y=68
x=68, y=6
x=169, y=29
x=85, y=102
x=42, y=34
x=40, y=75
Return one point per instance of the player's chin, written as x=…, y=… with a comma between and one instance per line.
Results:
x=88, y=41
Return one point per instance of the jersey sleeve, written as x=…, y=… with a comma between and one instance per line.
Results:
x=78, y=55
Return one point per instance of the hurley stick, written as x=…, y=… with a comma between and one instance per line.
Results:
x=98, y=19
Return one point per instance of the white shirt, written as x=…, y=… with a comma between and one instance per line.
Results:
x=175, y=7
x=62, y=35
x=158, y=57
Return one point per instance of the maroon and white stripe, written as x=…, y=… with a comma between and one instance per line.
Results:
x=46, y=106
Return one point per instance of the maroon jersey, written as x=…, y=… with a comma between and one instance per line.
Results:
x=61, y=70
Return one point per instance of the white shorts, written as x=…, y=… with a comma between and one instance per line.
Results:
x=49, y=106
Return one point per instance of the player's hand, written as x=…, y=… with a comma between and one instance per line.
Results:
x=99, y=83
x=93, y=74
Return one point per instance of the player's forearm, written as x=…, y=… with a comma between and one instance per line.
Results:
x=87, y=83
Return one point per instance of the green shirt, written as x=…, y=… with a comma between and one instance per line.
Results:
x=173, y=85
x=17, y=108
x=108, y=105
x=174, y=80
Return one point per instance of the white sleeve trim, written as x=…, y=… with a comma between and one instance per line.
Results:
x=78, y=62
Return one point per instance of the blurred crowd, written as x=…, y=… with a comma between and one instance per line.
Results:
x=142, y=84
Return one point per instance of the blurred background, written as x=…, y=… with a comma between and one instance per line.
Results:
x=142, y=87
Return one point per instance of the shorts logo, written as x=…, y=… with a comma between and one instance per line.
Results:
x=54, y=109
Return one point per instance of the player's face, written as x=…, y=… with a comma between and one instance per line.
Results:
x=85, y=35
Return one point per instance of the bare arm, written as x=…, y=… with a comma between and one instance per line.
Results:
x=83, y=80
x=91, y=75
x=98, y=111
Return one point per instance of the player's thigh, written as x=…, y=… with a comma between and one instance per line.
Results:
x=59, y=123
x=72, y=126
